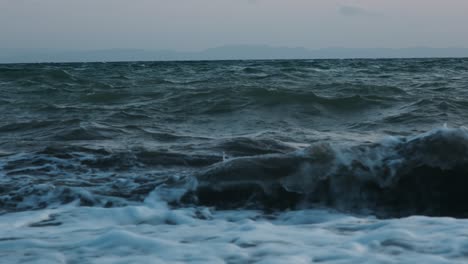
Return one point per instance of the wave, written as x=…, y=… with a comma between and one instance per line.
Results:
x=272, y=97
x=424, y=174
x=90, y=176
x=245, y=146
x=110, y=175
x=365, y=89
x=36, y=74
x=396, y=176
x=61, y=130
x=24, y=126
x=109, y=97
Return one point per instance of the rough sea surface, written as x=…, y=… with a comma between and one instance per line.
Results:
x=330, y=161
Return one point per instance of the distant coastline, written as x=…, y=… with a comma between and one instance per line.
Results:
x=231, y=52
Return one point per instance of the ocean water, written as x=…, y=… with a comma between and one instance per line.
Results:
x=330, y=161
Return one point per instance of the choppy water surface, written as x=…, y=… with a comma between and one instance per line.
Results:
x=334, y=161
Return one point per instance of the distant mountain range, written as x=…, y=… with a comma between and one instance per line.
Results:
x=233, y=52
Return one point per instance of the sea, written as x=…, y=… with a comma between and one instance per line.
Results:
x=275, y=161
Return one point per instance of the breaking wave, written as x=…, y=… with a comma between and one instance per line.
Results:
x=423, y=174
x=396, y=176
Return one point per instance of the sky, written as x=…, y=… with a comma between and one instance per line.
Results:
x=192, y=25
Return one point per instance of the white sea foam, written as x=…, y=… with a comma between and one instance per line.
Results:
x=151, y=232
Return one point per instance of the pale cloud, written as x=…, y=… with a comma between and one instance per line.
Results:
x=355, y=11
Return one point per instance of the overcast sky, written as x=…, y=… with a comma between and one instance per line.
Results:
x=190, y=25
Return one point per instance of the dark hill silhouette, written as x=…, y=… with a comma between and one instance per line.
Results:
x=230, y=52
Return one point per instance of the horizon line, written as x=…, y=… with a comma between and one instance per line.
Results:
x=223, y=53
x=233, y=60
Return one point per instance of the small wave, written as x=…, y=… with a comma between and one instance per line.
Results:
x=244, y=146
x=43, y=73
x=252, y=70
x=131, y=115
x=81, y=134
x=24, y=126
x=376, y=90
x=105, y=97
x=271, y=97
